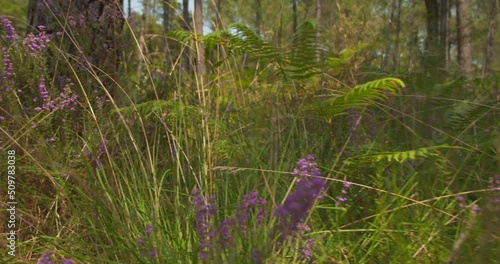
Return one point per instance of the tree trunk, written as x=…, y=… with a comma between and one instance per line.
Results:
x=166, y=28
x=388, y=42
x=489, y=47
x=201, y=67
x=395, y=58
x=431, y=58
x=258, y=16
x=294, y=15
x=443, y=33
x=464, y=37
x=186, y=65
x=102, y=21
x=319, y=9
x=142, y=41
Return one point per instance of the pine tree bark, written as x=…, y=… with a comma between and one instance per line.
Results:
x=319, y=10
x=166, y=28
x=258, y=16
x=431, y=58
x=464, y=37
x=201, y=67
x=104, y=16
x=489, y=47
x=443, y=33
x=294, y=15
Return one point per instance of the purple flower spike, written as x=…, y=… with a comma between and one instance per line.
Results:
x=205, y=213
x=66, y=261
x=45, y=259
x=310, y=187
x=342, y=199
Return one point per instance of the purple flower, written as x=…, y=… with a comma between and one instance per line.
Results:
x=247, y=205
x=205, y=211
x=66, y=261
x=142, y=241
x=310, y=187
x=342, y=199
x=45, y=259
x=36, y=43
x=10, y=32
x=306, y=250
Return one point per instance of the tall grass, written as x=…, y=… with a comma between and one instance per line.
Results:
x=112, y=181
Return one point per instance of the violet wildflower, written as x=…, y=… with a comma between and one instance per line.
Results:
x=247, y=205
x=42, y=89
x=142, y=241
x=45, y=259
x=342, y=198
x=2, y=118
x=66, y=261
x=297, y=205
x=10, y=32
x=205, y=214
x=257, y=256
x=308, y=247
x=36, y=43
x=100, y=153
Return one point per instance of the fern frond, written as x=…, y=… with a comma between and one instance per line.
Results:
x=303, y=62
x=400, y=156
x=359, y=97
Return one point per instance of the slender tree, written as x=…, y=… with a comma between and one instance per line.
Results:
x=294, y=14
x=463, y=37
x=102, y=19
x=489, y=48
x=319, y=9
x=258, y=16
x=166, y=28
x=201, y=67
x=431, y=57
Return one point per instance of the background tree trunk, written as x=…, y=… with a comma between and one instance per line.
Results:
x=443, y=33
x=464, y=37
x=201, y=67
x=319, y=9
x=489, y=47
x=166, y=28
x=102, y=19
x=294, y=15
x=258, y=16
x=431, y=63
x=186, y=65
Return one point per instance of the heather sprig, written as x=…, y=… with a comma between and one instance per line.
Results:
x=37, y=43
x=10, y=32
x=309, y=188
x=342, y=198
x=204, y=220
x=46, y=259
x=148, y=249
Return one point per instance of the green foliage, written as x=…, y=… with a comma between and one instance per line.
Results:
x=398, y=157
x=359, y=97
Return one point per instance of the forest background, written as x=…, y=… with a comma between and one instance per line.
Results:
x=229, y=131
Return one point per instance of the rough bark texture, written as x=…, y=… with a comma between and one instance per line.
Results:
x=489, y=47
x=443, y=32
x=431, y=57
x=102, y=19
x=201, y=67
x=294, y=14
x=258, y=16
x=464, y=37
x=319, y=9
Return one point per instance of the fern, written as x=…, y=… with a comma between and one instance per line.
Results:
x=398, y=157
x=359, y=97
x=303, y=62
